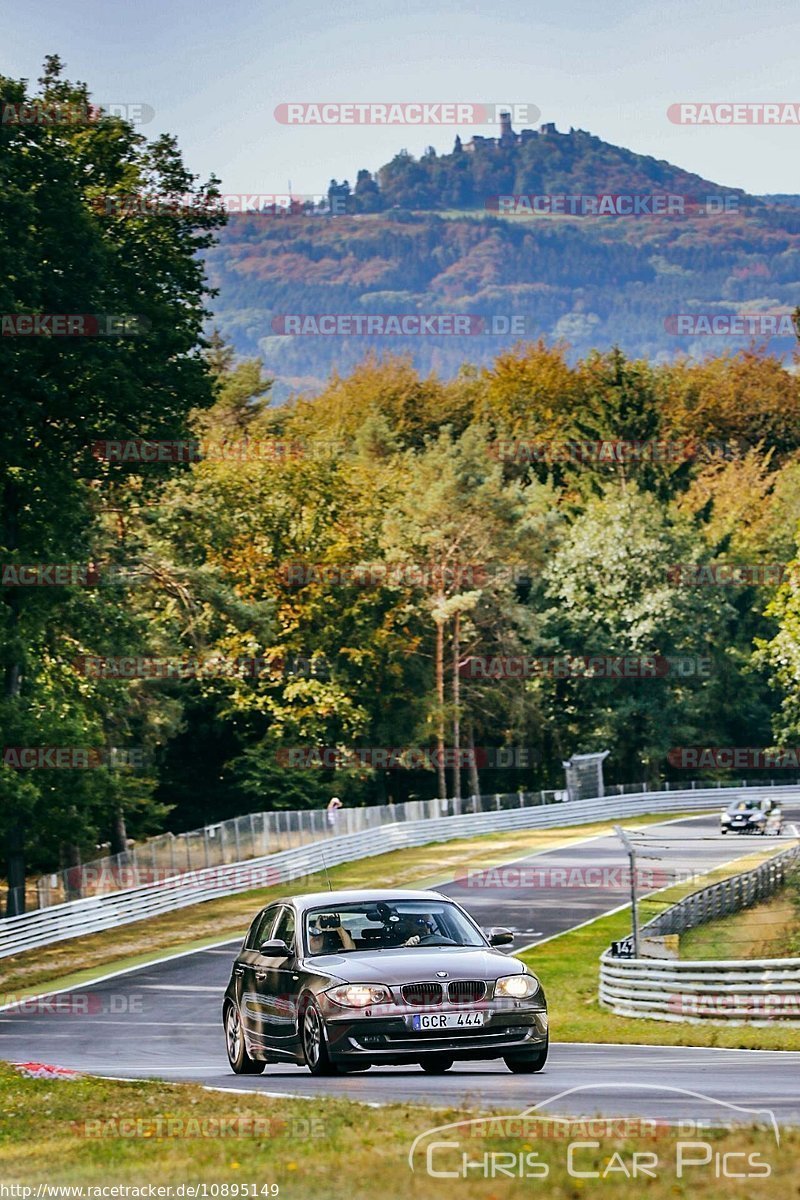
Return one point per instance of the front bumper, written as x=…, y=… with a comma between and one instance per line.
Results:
x=389, y=1037
x=744, y=826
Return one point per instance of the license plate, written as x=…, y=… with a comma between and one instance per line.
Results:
x=460, y=1020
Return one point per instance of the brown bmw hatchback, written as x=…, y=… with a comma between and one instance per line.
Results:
x=341, y=981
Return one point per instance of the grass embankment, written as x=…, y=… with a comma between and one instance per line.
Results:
x=767, y=930
x=82, y=959
x=568, y=966
x=167, y=1135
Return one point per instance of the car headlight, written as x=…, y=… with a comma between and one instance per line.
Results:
x=760, y=816
x=725, y=819
x=518, y=986
x=359, y=995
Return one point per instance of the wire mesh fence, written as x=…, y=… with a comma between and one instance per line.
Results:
x=251, y=836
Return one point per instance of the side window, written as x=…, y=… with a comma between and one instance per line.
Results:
x=285, y=927
x=261, y=927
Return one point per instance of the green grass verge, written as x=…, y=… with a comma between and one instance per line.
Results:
x=569, y=968
x=153, y=1133
x=82, y=959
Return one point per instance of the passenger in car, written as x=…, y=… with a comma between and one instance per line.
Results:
x=328, y=939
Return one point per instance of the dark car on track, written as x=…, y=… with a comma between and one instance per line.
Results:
x=341, y=981
x=752, y=815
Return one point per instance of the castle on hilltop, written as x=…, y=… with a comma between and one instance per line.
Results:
x=507, y=136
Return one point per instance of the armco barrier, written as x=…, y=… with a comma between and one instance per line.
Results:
x=756, y=991
x=96, y=913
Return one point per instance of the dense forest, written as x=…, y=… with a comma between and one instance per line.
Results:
x=259, y=595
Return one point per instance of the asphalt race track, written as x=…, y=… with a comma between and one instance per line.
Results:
x=163, y=1019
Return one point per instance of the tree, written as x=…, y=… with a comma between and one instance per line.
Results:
x=612, y=597
x=66, y=248
x=464, y=526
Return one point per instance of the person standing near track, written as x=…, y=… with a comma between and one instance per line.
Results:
x=332, y=812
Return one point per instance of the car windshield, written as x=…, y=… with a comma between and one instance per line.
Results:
x=387, y=925
x=743, y=806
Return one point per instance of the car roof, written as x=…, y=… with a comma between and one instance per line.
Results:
x=356, y=896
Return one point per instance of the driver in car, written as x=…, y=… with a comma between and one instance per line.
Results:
x=327, y=935
x=417, y=928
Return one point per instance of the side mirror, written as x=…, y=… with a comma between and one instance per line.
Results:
x=275, y=948
x=500, y=937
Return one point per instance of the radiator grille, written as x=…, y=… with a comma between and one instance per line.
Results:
x=422, y=993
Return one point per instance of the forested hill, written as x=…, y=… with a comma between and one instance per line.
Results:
x=424, y=236
x=541, y=162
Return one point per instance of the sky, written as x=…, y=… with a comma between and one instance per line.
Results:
x=214, y=73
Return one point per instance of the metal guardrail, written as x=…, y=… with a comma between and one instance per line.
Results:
x=97, y=913
x=756, y=991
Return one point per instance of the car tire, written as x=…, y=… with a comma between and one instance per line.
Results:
x=723, y=832
x=527, y=1064
x=437, y=1064
x=315, y=1047
x=240, y=1060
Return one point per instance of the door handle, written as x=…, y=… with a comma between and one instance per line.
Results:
x=238, y=970
x=261, y=976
